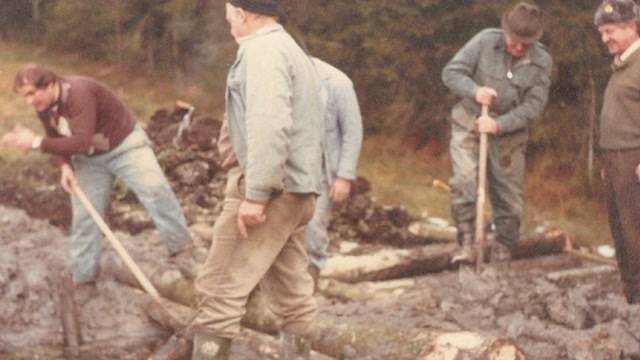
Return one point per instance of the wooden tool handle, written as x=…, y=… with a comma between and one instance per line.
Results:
x=480, y=240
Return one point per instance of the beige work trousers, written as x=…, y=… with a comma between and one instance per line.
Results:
x=273, y=256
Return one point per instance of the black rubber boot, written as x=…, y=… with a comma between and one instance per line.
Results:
x=466, y=254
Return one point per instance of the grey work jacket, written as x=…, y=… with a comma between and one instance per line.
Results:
x=484, y=61
x=343, y=123
x=275, y=115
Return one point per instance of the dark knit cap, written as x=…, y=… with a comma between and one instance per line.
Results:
x=616, y=11
x=524, y=22
x=262, y=7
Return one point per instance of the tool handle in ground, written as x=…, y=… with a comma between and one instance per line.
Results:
x=117, y=245
x=480, y=240
x=186, y=121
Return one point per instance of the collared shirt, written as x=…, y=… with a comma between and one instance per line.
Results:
x=522, y=84
x=633, y=47
x=275, y=115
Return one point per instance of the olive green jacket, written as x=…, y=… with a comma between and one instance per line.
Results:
x=619, y=119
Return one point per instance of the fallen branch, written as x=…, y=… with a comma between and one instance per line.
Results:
x=580, y=273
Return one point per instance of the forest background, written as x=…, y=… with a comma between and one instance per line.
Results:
x=394, y=51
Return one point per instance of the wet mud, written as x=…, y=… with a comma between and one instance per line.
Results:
x=552, y=307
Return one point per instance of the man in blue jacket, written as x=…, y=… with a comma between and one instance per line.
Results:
x=342, y=143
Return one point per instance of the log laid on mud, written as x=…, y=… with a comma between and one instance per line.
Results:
x=363, y=291
x=389, y=263
x=170, y=282
x=544, y=244
x=393, y=263
x=581, y=273
x=335, y=337
x=433, y=232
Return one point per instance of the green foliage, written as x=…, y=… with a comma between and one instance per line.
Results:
x=394, y=50
x=86, y=25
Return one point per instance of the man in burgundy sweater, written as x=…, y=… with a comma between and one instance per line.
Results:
x=94, y=139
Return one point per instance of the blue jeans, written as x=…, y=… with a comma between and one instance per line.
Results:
x=133, y=162
x=316, y=236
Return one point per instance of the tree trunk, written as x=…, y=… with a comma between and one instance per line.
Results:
x=118, y=11
x=390, y=263
x=363, y=291
x=334, y=337
x=398, y=263
x=581, y=273
x=36, y=17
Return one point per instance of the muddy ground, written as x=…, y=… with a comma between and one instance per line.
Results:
x=551, y=307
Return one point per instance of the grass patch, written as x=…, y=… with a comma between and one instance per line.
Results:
x=401, y=176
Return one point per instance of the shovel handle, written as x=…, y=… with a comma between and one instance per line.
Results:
x=116, y=244
x=480, y=240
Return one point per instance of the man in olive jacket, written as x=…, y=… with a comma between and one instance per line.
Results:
x=617, y=22
x=509, y=70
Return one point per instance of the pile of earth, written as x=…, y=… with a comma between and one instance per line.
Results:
x=552, y=307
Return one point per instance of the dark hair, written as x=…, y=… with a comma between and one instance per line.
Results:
x=33, y=74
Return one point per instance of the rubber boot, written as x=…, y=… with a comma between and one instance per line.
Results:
x=294, y=347
x=466, y=254
x=210, y=347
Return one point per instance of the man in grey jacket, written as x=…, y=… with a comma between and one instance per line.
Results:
x=274, y=154
x=509, y=70
x=342, y=143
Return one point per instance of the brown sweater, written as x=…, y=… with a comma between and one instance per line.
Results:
x=98, y=121
x=620, y=116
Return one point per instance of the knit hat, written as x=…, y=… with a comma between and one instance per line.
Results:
x=616, y=11
x=262, y=7
x=524, y=23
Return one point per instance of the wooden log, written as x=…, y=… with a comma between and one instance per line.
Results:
x=432, y=232
x=364, y=291
x=580, y=273
x=169, y=282
x=540, y=245
x=333, y=336
x=390, y=263
x=393, y=263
